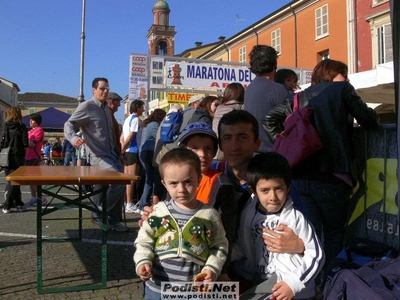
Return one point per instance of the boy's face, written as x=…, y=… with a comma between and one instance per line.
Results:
x=238, y=144
x=204, y=148
x=181, y=182
x=271, y=193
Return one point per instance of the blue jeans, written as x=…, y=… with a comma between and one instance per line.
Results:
x=150, y=295
x=70, y=156
x=115, y=193
x=327, y=205
x=152, y=177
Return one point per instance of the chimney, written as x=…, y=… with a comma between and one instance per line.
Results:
x=221, y=38
x=198, y=44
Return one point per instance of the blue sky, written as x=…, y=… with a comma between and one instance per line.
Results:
x=40, y=39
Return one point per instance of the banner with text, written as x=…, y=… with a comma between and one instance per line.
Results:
x=194, y=75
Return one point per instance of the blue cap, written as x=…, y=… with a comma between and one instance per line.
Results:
x=197, y=128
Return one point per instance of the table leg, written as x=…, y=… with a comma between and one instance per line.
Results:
x=39, y=238
x=80, y=212
x=104, y=235
x=104, y=218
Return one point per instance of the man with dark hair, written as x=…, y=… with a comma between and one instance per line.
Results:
x=238, y=135
x=130, y=142
x=94, y=119
x=263, y=93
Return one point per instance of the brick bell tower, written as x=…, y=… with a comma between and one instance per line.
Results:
x=160, y=37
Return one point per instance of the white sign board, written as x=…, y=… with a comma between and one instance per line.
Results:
x=194, y=75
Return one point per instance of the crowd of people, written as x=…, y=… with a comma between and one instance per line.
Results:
x=217, y=187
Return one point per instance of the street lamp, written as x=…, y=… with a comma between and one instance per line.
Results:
x=81, y=97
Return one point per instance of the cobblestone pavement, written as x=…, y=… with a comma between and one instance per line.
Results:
x=64, y=264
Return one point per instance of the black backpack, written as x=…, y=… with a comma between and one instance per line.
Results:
x=378, y=280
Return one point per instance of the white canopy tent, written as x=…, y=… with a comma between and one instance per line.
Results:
x=375, y=86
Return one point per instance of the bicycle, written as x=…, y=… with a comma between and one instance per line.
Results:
x=46, y=161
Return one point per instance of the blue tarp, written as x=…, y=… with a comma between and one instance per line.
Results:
x=52, y=119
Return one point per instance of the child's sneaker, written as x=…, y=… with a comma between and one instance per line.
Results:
x=6, y=211
x=21, y=208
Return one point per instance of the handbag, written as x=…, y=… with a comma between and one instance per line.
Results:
x=5, y=157
x=299, y=139
x=5, y=153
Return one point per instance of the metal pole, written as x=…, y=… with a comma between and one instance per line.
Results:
x=81, y=97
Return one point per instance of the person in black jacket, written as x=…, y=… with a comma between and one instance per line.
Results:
x=16, y=137
x=325, y=179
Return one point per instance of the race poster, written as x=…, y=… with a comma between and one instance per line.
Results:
x=138, y=82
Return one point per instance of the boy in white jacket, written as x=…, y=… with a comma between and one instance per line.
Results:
x=269, y=176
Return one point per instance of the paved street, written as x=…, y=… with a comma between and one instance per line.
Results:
x=64, y=264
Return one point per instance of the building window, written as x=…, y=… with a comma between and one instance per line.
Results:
x=276, y=40
x=321, y=22
x=323, y=55
x=242, y=54
x=377, y=2
x=162, y=48
x=32, y=110
x=385, y=50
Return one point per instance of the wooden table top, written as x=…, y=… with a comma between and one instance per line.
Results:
x=66, y=175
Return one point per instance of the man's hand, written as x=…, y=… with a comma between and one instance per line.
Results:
x=155, y=200
x=282, y=240
x=282, y=291
x=148, y=210
x=145, y=215
x=78, y=142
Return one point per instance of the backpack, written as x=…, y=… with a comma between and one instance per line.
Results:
x=170, y=127
x=56, y=147
x=358, y=253
x=378, y=280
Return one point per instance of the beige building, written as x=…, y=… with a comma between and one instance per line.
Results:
x=35, y=102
